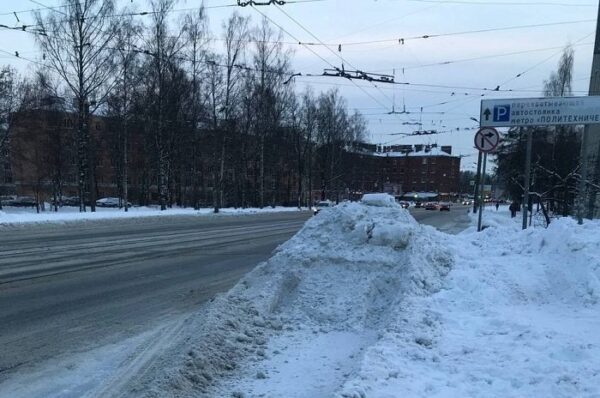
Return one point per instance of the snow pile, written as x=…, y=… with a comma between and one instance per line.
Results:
x=337, y=281
x=518, y=316
x=378, y=199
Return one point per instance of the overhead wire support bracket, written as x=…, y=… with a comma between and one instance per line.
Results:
x=358, y=75
x=259, y=3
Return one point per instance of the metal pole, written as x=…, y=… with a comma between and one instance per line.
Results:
x=477, y=179
x=527, y=177
x=481, y=206
x=587, y=148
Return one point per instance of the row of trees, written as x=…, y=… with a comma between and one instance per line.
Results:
x=198, y=118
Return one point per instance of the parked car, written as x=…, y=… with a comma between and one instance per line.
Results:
x=419, y=205
x=444, y=206
x=320, y=205
x=110, y=202
x=405, y=205
x=21, y=201
x=431, y=206
x=67, y=201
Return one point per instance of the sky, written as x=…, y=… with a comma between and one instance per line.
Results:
x=474, y=47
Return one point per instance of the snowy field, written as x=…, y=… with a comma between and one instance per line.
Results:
x=16, y=215
x=364, y=302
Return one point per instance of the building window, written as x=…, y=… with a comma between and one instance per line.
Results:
x=424, y=160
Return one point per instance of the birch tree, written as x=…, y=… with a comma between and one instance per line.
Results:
x=77, y=42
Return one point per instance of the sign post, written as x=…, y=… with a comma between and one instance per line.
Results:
x=486, y=140
x=527, y=177
x=481, y=200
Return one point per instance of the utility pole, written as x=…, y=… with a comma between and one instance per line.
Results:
x=589, y=140
x=527, y=177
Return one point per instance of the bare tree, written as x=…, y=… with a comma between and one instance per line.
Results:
x=77, y=43
x=164, y=50
x=271, y=63
x=121, y=100
x=9, y=104
x=197, y=37
x=235, y=31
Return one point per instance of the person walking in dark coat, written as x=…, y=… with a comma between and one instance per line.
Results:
x=514, y=207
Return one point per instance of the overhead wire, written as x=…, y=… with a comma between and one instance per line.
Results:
x=505, y=3
x=315, y=53
x=542, y=62
x=330, y=50
x=402, y=40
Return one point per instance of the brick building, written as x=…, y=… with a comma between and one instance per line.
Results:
x=402, y=168
x=41, y=160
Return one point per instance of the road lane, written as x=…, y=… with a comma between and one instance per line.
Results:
x=65, y=288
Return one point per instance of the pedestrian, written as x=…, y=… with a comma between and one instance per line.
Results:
x=497, y=205
x=513, y=209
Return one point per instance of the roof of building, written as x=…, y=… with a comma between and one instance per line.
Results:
x=431, y=152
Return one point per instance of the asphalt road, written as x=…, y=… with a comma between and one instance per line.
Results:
x=65, y=288
x=73, y=287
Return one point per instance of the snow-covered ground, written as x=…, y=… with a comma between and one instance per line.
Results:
x=17, y=215
x=366, y=302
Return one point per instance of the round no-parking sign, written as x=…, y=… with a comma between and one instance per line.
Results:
x=487, y=139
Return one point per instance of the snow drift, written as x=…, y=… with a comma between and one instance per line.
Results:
x=347, y=272
x=517, y=317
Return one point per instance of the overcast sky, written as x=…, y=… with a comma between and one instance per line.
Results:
x=458, y=85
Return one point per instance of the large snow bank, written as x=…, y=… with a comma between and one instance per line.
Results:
x=518, y=317
x=339, y=280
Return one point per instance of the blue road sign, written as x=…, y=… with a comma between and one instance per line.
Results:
x=502, y=113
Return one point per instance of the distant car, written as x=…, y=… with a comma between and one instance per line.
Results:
x=21, y=201
x=419, y=205
x=467, y=202
x=405, y=205
x=431, y=206
x=444, y=206
x=110, y=202
x=320, y=205
x=66, y=201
